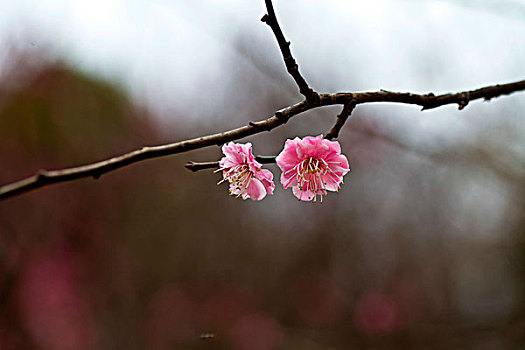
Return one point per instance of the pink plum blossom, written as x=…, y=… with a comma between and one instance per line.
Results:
x=311, y=166
x=246, y=177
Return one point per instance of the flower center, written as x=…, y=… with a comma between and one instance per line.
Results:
x=311, y=175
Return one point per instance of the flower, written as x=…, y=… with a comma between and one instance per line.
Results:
x=246, y=177
x=311, y=166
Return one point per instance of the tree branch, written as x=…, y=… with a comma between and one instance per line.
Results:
x=341, y=120
x=195, y=166
x=427, y=101
x=291, y=66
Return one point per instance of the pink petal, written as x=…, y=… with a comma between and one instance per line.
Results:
x=233, y=153
x=246, y=150
x=227, y=163
x=266, y=177
x=229, y=150
x=330, y=182
x=313, y=139
x=288, y=157
x=322, y=147
x=303, y=195
x=306, y=148
x=268, y=186
x=338, y=164
x=264, y=174
x=285, y=179
x=287, y=160
x=256, y=190
x=334, y=146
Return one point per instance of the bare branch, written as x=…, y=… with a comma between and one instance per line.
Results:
x=341, y=120
x=291, y=66
x=428, y=101
x=195, y=166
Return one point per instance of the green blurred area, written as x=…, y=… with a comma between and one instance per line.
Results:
x=155, y=257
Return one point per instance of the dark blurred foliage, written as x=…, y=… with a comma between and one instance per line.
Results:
x=155, y=257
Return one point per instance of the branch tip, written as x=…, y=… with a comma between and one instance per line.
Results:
x=189, y=165
x=291, y=66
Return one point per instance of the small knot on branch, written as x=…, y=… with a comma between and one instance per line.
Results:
x=429, y=101
x=465, y=99
x=41, y=174
x=281, y=117
x=260, y=125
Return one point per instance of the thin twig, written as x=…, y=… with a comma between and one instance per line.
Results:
x=428, y=101
x=340, y=121
x=291, y=65
x=196, y=166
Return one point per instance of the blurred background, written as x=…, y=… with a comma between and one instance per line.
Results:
x=423, y=248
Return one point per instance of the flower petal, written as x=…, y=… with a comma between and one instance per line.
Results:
x=288, y=157
x=303, y=195
x=307, y=147
x=338, y=164
x=234, y=154
x=266, y=177
x=331, y=182
x=256, y=190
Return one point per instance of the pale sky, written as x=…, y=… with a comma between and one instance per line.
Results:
x=159, y=48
